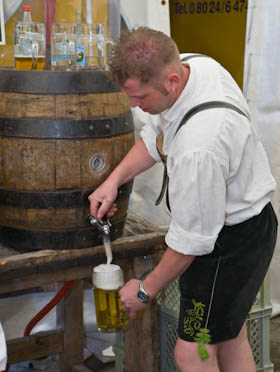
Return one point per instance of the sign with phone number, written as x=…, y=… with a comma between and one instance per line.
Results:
x=210, y=7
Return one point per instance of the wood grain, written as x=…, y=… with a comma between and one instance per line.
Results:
x=35, y=346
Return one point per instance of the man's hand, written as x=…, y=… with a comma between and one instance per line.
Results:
x=102, y=200
x=128, y=296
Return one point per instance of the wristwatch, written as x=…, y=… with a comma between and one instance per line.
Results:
x=142, y=294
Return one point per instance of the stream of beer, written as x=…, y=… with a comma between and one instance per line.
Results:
x=108, y=249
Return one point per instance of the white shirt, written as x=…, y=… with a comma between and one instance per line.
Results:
x=218, y=170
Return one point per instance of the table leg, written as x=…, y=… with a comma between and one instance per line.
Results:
x=70, y=320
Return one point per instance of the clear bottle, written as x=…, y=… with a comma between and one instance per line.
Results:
x=26, y=14
x=28, y=43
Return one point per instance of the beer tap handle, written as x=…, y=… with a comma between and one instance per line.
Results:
x=103, y=225
x=106, y=225
x=92, y=221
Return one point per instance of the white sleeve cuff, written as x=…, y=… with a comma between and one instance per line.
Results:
x=189, y=243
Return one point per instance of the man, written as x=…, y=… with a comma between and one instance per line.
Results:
x=219, y=187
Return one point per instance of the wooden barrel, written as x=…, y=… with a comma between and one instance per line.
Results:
x=61, y=134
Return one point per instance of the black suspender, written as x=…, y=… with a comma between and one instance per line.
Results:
x=193, y=56
x=206, y=106
x=187, y=116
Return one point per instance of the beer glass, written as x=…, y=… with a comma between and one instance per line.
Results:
x=91, y=46
x=107, y=280
x=103, y=11
x=29, y=46
x=63, y=46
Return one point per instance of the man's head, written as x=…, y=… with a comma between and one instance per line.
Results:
x=146, y=63
x=142, y=53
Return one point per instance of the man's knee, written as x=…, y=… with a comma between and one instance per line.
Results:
x=187, y=357
x=239, y=340
x=236, y=354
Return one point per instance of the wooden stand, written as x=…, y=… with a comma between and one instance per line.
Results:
x=35, y=269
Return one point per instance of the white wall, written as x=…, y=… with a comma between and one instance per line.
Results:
x=149, y=13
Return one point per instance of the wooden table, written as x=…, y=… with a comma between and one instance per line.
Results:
x=35, y=269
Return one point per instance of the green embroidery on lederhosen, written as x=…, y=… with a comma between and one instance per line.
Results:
x=193, y=319
x=192, y=326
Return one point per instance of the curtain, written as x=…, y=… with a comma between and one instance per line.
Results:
x=262, y=90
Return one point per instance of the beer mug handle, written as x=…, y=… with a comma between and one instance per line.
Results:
x=35, y=54
x=107, y=41
x=71, y=52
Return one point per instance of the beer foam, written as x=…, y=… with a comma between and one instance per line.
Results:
x=107, y=277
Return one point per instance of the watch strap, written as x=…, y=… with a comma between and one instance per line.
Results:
x=141, y=290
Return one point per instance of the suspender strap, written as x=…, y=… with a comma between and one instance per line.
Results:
x=206, y=106
x=193, y=56
x=187, y=116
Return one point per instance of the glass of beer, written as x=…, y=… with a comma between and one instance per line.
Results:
x=107, y=280
x=30, y=46
x=63, y=46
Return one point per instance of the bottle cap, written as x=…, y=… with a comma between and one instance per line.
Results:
x=108, y=277
x=26, y=8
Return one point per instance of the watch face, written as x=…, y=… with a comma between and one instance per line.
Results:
x=142, y=297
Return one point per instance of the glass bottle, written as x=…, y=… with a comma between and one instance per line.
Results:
x=26, y=14
x=29, y=48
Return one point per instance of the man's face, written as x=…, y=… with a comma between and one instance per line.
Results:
x=146, y=97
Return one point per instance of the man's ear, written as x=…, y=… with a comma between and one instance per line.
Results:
x=172, y=81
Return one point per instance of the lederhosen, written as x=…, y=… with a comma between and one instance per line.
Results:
x=219, y=289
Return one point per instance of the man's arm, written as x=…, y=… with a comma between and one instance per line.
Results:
x=171, y=266
x=135, y=162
